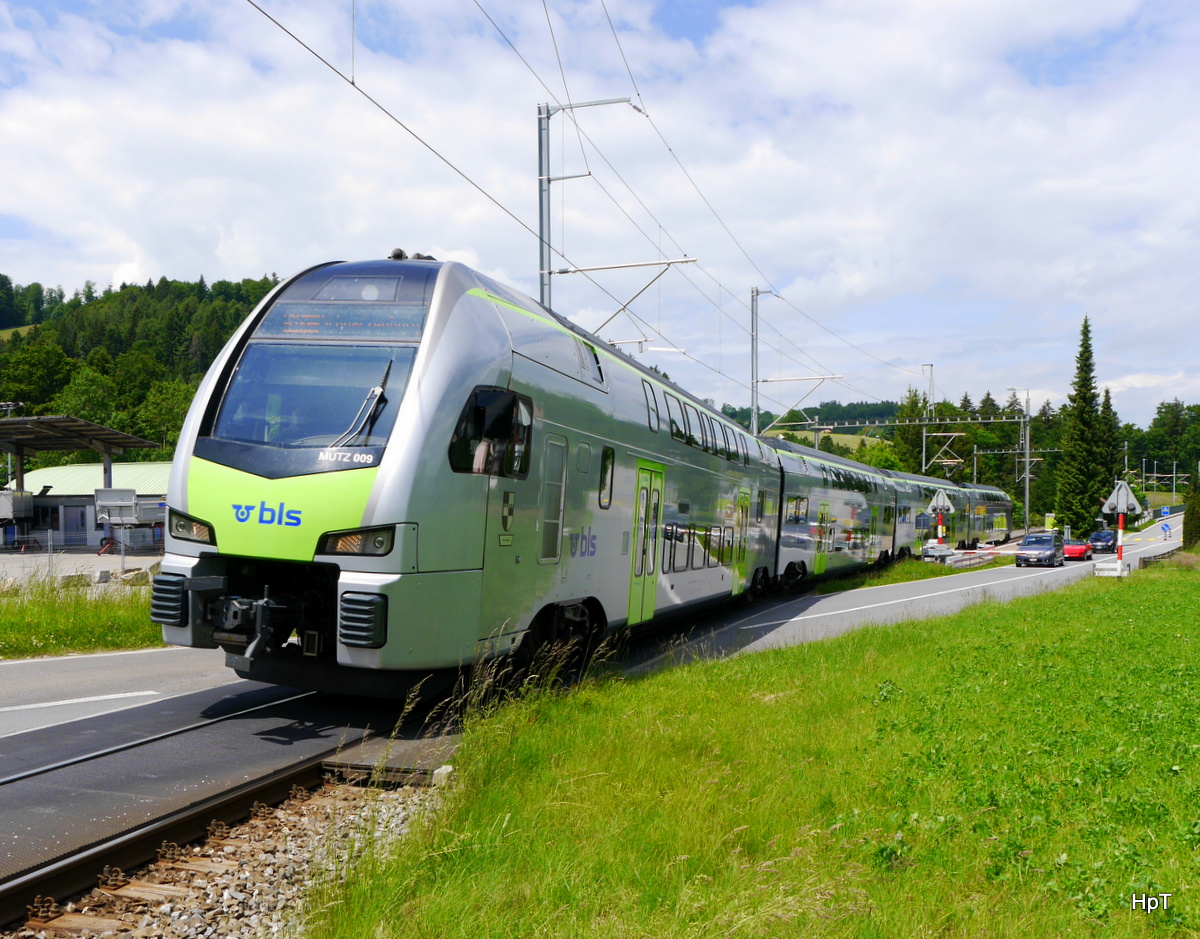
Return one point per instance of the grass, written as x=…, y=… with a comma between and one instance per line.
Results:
x=1013, y=770
x=43, y=617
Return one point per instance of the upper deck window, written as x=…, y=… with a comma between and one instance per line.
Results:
x=381, y=301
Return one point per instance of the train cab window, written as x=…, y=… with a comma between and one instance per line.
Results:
x=608, y=461
x=651, y=406
x=693, y=424
x=675, y=416
x=493, y=434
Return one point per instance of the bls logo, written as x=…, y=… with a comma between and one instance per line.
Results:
x=584, y=544
x=268, y=515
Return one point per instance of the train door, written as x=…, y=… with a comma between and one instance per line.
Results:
x=647, y=523
x=824, y=535
x=741, y=534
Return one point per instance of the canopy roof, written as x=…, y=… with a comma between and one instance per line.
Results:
x=39, y=434
x=21, y=435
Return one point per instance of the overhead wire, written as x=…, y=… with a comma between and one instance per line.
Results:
x=616, y=202
x=350, y=80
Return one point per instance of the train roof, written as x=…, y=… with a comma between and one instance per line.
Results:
x=810, y=453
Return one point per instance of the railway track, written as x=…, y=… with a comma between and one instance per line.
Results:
x=108, y=792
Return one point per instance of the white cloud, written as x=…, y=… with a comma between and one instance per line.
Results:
x=935, y=182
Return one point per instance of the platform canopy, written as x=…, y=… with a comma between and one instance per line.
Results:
x=21, y=435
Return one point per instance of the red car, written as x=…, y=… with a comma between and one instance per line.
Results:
x=1077, y=550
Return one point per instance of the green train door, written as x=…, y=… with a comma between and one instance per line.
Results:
x=741, y=535
x=647, y=522
x=824, y=536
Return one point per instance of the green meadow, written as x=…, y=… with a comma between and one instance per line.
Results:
x=42, y=617
x=1025, y=769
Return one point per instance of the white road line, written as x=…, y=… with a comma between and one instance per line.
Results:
x=99, y=697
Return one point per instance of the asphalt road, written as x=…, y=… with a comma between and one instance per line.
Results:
x=48, y=691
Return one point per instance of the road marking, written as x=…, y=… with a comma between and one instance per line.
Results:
x=99, y=697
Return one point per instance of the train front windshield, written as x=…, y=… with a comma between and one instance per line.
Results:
x=325, y=368
x=290, y=394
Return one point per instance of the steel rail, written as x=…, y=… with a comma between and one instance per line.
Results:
x=77, y=872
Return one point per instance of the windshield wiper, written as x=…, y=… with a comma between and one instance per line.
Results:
x=364, y=420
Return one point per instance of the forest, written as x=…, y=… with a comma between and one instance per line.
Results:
x=131, y=358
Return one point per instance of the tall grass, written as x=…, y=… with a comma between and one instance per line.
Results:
x=1013, y=770
x=47, y=617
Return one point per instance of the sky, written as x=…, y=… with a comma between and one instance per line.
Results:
x=924, y=191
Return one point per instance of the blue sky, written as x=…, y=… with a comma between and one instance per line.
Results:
x=935, y=182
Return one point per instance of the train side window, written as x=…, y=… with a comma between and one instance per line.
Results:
x=742, y=448
x=675, y=416
x=760, y=508
x=796, y=512
x=699, y=548
x=651, y=406
x=608, y=462
x=493, y=434
x=727, y=546
x=668, y=558
x=731, y=451
x=714, y=546
x=685, y=537
x=693, y=423
x=554, y=483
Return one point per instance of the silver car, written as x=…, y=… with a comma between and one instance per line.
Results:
x=1041, y=548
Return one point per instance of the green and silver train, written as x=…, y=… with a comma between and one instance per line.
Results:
x=400, y=467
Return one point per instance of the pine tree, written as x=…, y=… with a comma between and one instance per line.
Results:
x=1108, y=439
x=1191, y=518
x=1081, y=472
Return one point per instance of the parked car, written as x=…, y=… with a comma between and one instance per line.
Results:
x=1076, y=550
x=1045, y=547
x=1105, y=540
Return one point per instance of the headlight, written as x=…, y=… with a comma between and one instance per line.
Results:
x=189, y=529
x=375, y=542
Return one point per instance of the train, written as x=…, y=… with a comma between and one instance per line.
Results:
x=401, y=468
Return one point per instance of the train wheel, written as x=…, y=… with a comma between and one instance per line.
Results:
x=757, y=586
x=793, y=575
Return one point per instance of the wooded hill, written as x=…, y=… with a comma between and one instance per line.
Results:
x=130, y=358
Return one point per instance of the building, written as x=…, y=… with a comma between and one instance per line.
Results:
x=64, y=504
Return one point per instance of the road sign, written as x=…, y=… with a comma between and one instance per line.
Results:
x=1122, y=501
x=940, y=504
x=1166, y=510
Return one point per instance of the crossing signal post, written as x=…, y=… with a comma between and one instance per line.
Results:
x=1122, y=502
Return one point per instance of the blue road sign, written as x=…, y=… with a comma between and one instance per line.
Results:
x=1166, y=510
